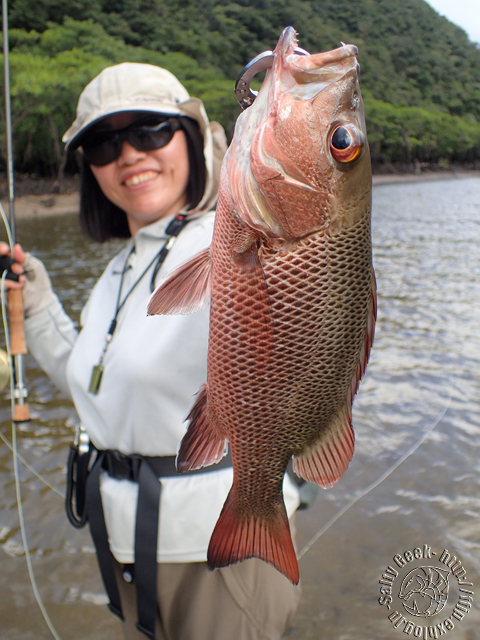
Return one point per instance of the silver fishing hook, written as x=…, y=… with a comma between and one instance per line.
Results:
x=246, y=96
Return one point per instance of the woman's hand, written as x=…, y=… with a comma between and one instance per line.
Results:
x=33, y=279
x=19, y=257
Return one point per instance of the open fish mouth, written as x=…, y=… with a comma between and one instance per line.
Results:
x=313, y=76
x=310, y=74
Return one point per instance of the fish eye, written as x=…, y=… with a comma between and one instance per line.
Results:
x=346, y=143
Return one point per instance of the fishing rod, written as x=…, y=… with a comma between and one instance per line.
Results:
x=18, y=347
x=14, y=329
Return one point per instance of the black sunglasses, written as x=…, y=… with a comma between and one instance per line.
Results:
x=106, y=146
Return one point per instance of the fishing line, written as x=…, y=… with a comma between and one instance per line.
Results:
x=383, y=477
x=7, y=226
x=30, y=468
x=16, y=456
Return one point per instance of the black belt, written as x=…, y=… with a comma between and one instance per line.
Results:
x=145, y=471
x=122, y=467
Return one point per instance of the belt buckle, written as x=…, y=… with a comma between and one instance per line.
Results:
x=118, y=466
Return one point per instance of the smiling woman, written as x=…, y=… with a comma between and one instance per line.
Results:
x=150, y=171
x=124, y=146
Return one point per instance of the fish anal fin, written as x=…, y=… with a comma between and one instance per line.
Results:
x=327, y=459
x=186, y=290
x=201, y=446
x=238, y=536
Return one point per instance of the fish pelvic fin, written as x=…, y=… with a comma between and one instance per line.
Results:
x=186, y=290
x=237, y=537
x=326, y=460
x=201, y=446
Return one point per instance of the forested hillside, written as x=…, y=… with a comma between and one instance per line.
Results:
x=420, y=74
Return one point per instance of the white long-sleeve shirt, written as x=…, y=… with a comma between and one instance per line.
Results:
x=152, y=369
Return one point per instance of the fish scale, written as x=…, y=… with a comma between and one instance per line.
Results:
x=290, y=280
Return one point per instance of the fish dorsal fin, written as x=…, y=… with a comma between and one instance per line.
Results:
x=186, y=290
x=327, y=459
x=201, y=445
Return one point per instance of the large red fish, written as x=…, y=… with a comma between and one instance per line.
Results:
x=292, y=288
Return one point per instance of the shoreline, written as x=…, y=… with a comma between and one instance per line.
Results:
x=424, y=176
x=47, y=205
x=33, y=206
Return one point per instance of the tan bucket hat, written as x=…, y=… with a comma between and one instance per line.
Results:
x=133, y=86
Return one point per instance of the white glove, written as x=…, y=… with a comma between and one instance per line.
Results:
x=37, y=291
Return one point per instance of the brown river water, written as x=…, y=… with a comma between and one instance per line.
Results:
x=423, y=381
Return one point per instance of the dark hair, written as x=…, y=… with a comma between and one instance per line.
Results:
x=101, y=220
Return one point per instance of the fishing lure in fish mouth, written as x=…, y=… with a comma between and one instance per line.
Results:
x=244, y=94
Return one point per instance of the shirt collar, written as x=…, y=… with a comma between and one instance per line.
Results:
x=145, y=238
x=155, y=230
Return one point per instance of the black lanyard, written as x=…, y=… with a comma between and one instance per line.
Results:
x=172, y=231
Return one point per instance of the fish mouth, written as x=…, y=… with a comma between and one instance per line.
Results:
x=306, y=75
x=310, y=63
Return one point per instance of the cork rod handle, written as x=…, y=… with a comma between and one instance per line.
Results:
x=18, y=348
x=15, y=320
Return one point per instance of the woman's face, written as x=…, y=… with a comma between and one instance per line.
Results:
x=147, y=185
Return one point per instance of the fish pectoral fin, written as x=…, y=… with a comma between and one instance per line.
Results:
x=201, y=446
x=326, y=461
x=238, y=536
x=186, y=290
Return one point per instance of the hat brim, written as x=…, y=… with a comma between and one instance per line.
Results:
x=192, y=108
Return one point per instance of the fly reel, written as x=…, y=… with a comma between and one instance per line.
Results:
x=4, y=369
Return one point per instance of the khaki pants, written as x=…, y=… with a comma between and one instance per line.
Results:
x=246, y=601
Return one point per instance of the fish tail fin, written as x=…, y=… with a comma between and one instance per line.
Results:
x=327, y=459
x=201, y=446
x=237, y=537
